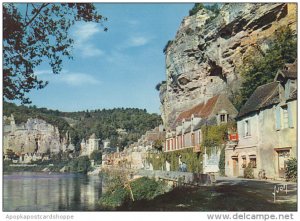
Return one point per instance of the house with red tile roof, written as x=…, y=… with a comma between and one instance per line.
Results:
x=186, y=130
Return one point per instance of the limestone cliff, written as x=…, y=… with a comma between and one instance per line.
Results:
x=204, y=58
x=35, y=135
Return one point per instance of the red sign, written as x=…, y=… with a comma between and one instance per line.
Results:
x=234, y=137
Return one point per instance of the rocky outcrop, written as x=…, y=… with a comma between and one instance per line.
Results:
x=204, y=58
x=34, y=136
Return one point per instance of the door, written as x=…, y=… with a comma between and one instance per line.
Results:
x=283, y=156
x=235, y=163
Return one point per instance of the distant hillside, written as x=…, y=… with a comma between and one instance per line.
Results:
x=104, y=123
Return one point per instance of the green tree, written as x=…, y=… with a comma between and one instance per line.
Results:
x=196, y=8
x=259, y=70
x=96, y=155
x=33, y=32
x=222, y=162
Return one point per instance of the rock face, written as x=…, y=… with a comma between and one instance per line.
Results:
x=204, y=58
x=33, y=136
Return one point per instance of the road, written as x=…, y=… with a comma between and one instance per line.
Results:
x=285, y=191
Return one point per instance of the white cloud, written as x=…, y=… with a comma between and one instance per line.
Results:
x=133, y=22
x=42, y=72
x=90, y=51
x=66, y=77
x=79, y=79
x=83, y=34
x=138, y=41
x=84, y=31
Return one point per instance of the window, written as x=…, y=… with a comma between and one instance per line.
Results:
x=247, y=128
x=252, y=161
x=211, y=80
x=222, y=118
x=193, y=139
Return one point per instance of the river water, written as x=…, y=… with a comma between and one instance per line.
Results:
x=31, y=191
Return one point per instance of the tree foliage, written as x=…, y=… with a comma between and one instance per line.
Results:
x=291, y=170
x=259, y=69
x=33, y=33
x=222, y=162
x=96, y=155
x=192, y=160
x=104, y=123
x=197, y=7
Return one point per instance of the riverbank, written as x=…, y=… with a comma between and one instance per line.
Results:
x=80, y=164
x=225, y=195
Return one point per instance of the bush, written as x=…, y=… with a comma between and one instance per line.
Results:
x=222, y=162
x=114, y=199
x=169, y=43
x=96, y=155
x=291, y=170
x=81, y=164
x=118, y=191
x=248, y=172
x=146, y=188
x=197, y=7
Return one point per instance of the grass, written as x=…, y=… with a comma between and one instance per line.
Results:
x=213, y=198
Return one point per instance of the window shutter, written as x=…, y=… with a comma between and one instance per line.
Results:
x=290, y=115
x=287, y=89
x=277, y=118
x=241, y=130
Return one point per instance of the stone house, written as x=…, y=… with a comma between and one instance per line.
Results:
x=186, y=131
x=267, y=128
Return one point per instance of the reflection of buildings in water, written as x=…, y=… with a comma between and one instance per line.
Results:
x=63, y=192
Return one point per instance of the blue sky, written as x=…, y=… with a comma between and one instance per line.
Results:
x=117, y=68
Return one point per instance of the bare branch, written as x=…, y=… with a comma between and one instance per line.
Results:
x=36, y=14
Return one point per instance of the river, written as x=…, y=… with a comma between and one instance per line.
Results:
x=31, y=191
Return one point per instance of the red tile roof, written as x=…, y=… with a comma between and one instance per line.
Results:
x=202, y=110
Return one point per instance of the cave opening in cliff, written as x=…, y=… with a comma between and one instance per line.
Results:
x=216, y=70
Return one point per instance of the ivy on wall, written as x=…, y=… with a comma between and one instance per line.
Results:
x=191, y=159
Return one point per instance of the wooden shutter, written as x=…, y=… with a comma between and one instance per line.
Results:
x=290, y=115
x=277, y=118
x=287, y=89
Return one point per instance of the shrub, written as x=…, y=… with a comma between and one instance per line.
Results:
x=169, y=43
x=222, y=162
x=248, y=172
x=118, y=192
x=96, y=155
x=291, y=170
x=114, y=199
x=146, y=188
x=81, y=164
x=197, y=7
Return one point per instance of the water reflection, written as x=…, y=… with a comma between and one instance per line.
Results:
x=30, y=191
